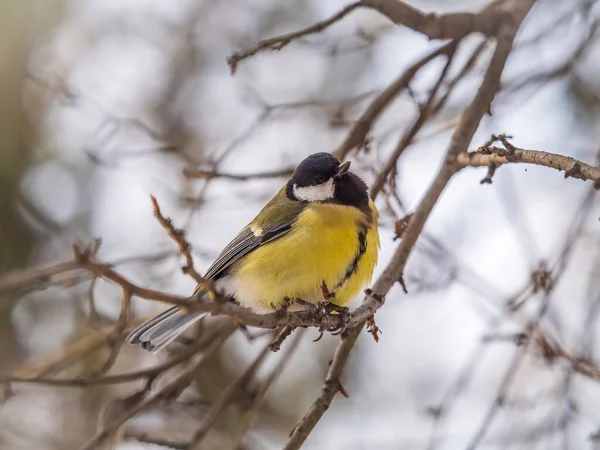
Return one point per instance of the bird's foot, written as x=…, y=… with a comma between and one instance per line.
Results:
x=324, y=311
x=331, y=309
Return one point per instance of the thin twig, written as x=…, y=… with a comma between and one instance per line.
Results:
x=179, y=237
x=191, y=172
x=357, y=136
x=112, y=426
x=407, y=138
x=278, y=42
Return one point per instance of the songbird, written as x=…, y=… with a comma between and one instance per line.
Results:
x=320, y=230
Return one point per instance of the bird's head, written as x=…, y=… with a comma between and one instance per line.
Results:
x=321, y=177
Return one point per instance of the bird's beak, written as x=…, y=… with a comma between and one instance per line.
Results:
x=342, y=170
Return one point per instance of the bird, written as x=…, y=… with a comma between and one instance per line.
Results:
x=318, y=232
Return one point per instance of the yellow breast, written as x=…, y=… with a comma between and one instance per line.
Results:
x=322, y=245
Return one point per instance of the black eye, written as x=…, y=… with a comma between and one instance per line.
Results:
x=319, y=179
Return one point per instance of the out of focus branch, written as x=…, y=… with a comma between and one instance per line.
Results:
x=260, y=394
x=176, y=385
x=552, y=350
x=226, y=399
x=409, y=135
x=357, y=137
x=191, y=172
x=40, y=377
x=15, y=281
x=489, y=22
x=277, y=43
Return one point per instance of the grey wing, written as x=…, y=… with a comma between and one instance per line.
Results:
x=245, y=242
x=156, y=333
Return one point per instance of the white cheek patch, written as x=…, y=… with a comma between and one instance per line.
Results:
x=318, y=193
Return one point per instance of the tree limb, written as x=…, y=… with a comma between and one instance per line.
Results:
x=485, y=156
x=459, y=142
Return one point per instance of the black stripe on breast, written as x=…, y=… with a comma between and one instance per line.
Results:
x=362, y=248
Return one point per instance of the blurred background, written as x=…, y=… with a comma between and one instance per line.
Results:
x=104, y=103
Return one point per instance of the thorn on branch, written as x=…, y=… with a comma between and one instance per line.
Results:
x=541, y=280
x=402, y=283
x=373, y=328
x=574, y=172
x=343, y=391
x=275, y=346
x=507, y=145
x=401, y=226
x=490, y=173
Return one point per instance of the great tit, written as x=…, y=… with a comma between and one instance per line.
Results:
x=321, y=227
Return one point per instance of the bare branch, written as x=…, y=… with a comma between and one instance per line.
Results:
x=151, y=372
x=259, y=396
x=357, y=137
x=330, y=388
x=179, y=237
x=410, y=134
x=447, y=26
x=277, y=43
x=393, y=272
x=223, y=401
x=18, y=280
x=486, y=156
x=148, y=439
x=109, y=428
x=209, y=174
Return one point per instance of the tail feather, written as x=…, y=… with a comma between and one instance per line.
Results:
x=158, y=332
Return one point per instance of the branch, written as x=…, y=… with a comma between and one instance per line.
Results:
x=259, y=396
x=225, y=399
x=145, y=438
x=330, y=388
x=489, y=22
x=277, y=43
x=447, y=26
x=113, y=425
x=359, y=131
x=409, y=135
x=551, y=350
x=127, y=377
x=460, y=140
x=191, y=172
x=179, y=237
x=18, y=280
x=487, y=156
